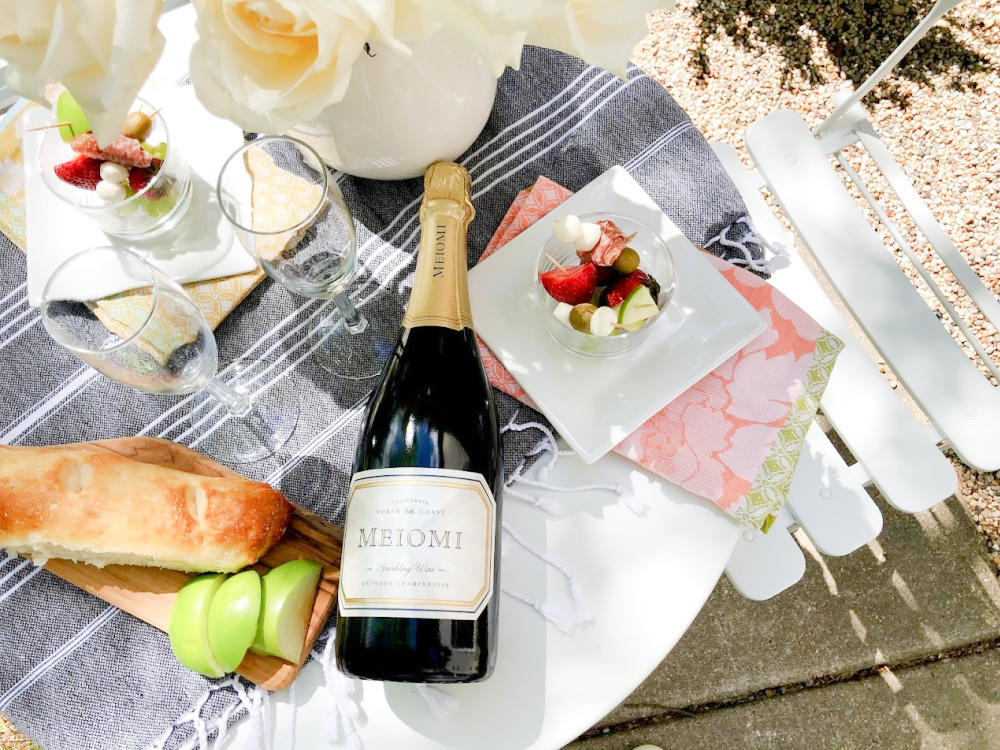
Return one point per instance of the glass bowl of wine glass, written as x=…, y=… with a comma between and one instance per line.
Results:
x=135, y=325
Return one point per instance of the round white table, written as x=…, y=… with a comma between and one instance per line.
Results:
x=646, y=578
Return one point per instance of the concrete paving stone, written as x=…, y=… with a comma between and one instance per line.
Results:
x=924, y=587
x=938, y=706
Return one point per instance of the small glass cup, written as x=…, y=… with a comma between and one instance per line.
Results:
x=155, y=208
x=654, y=258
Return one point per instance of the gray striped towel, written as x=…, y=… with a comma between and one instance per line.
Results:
x=77, y=674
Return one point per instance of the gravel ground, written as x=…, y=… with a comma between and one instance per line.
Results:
x=730, y=62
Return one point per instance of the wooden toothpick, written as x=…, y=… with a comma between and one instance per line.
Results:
x=555, y=262
x=50, y=125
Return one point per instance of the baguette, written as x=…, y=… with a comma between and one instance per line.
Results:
x=135, y=501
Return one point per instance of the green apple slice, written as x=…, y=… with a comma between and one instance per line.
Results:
x=159, y=150
x=232, y=618
x=68, y=111
x=637, y=308
x=189, y=625
x=289, y=593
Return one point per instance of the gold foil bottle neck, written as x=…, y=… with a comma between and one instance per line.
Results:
x=440, y=295
x=447, y=181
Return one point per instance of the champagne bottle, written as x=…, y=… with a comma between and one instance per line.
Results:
x=419, y=579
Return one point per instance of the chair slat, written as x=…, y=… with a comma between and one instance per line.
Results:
x=894, y=449
x=962, y=404
x=765, y=564
x=828, y=501
x=928, y=224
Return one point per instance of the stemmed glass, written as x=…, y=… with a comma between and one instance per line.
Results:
x=292, y=218
x=152, y=337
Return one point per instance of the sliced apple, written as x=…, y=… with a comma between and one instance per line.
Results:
x=232, y=618
x=289, y=592
x=68, y=111
x=189, y=625
x=637, y=308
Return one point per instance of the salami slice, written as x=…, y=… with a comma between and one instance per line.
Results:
x=122, y=150
x=608, y=247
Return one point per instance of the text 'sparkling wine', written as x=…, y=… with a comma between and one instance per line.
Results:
x=420, y=576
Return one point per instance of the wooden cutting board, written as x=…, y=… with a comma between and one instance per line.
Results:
x=149, y=593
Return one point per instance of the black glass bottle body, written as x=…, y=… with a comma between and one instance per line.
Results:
x=433, y=409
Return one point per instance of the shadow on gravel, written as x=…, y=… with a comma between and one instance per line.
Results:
x=857, y=35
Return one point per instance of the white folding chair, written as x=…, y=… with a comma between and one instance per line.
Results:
x=895, y=452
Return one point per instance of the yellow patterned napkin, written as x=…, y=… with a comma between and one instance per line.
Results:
x=121, y=313
x=279, y=199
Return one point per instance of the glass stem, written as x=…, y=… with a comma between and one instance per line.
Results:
x=356, y=322
x=237, y=403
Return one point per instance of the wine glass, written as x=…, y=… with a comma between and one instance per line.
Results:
x=292, y=218
x=152, y=337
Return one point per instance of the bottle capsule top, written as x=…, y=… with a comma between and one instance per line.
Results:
x=445, y=180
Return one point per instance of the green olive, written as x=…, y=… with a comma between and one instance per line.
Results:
x=137, y=125
x=579, y=316
x=627, y=262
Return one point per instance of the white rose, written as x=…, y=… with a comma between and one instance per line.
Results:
x=269, y=65
x=101, y=50
x=495, y=29
x=600, y=32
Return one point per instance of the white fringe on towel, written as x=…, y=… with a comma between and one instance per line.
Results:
x=345, y=714
x=548, y=445
x=441, y=703
x=583, y=612
x=779, y=254
x=261, y=732
x=200, y=726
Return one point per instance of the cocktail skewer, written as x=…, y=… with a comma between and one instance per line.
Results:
x=50, y=125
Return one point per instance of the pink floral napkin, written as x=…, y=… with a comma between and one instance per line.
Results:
x=735, y=436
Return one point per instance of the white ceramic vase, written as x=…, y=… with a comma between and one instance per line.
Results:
x=401, y=114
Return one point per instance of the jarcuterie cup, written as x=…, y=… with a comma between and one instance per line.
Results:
x=654, y=258
x=152, y=210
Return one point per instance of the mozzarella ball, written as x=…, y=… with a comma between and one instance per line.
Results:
x=110, y=192
x=112, y=172
x=590, y=234
x=567, y=229
x=602, y=322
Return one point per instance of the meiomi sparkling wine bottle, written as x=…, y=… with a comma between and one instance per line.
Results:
x=420, y=571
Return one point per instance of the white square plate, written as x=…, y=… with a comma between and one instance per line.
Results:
x=595, y=404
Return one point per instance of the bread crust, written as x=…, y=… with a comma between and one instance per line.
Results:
x=135, y=501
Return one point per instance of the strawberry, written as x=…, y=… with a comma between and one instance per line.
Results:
x=615, y=294
x=138, y=178
x=605, y=274
x=572, y=285
x=82, y=171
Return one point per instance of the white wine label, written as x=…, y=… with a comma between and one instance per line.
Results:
x=418, y=543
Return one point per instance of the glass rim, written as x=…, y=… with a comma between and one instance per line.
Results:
x=307, y=220
x=49, y=180
x=154, y=286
